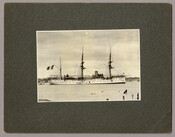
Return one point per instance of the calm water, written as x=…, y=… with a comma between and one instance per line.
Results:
x=106, y=92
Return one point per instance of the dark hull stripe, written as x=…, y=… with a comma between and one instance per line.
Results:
x=88, y=83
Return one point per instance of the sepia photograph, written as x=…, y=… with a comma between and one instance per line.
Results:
x=88, y=65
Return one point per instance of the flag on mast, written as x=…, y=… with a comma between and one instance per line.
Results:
x=48, y=68
x=52, y=66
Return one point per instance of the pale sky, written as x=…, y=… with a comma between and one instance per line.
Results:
x=125, y=47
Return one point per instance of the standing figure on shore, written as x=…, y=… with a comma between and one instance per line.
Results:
x=132, y=96
x=137, y=96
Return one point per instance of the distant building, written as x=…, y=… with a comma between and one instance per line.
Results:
x=131, y=79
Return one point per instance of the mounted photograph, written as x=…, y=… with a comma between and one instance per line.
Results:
x=88, y=65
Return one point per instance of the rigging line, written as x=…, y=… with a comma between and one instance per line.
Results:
x=119, y=64
x=118, y=72
x=118, y=68
x=124, y=70
x=113, y=68
x=124, y=73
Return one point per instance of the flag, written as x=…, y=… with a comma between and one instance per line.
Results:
x=52, y=66
x=48, y=67
x=125, y=92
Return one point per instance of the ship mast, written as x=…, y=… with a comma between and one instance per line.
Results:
x=109, y=65
x=60, y=69
x=82, y=63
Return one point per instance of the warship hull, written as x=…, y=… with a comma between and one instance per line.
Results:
x=120, y=80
